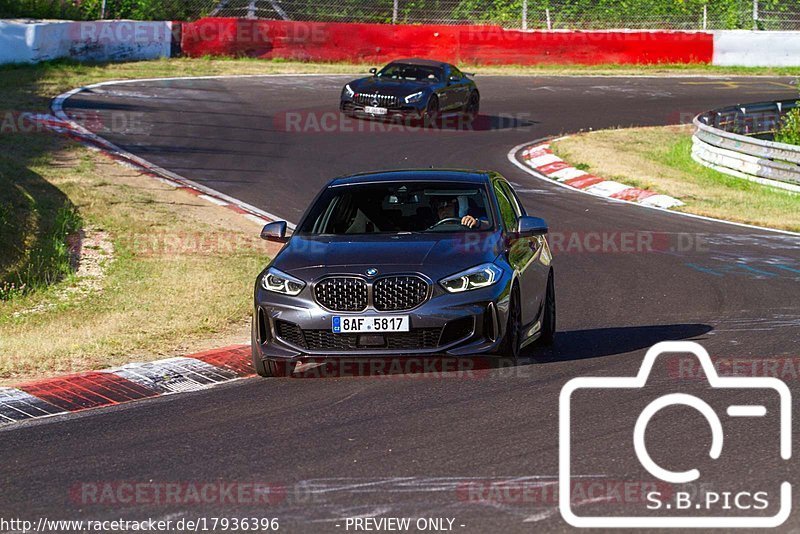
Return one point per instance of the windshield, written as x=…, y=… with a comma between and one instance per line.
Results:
x=398, y=207
x=402, y=71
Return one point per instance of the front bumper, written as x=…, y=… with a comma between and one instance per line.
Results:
x=406, y=112
x=460, y=324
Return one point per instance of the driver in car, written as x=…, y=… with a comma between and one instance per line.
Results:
x=452, y=208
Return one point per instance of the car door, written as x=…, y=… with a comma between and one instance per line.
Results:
x=451, y=90
x=460, y=86
x=522, y=253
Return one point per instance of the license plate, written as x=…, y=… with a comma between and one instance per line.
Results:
x=376, y=324
x=375, y=110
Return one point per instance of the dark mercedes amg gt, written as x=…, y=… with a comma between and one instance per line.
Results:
x=420, y=262
x=411, y=89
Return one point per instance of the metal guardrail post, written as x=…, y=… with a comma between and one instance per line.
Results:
x=524, y=14
x=755, y=14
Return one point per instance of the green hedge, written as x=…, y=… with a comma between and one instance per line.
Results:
x=90, y=9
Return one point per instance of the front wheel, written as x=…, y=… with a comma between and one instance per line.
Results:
x=548, y=334
x=432, y=110
x=509, y=347
x=267, y=368
x=273, y=368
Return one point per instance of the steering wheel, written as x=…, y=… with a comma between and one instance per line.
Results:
x=446, y=220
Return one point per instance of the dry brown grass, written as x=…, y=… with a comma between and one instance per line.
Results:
x=180, y=279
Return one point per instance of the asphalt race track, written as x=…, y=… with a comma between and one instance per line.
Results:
x=409, y=446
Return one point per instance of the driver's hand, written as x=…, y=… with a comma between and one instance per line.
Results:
x=469, y=221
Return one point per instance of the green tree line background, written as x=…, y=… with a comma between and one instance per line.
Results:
x=678, y=14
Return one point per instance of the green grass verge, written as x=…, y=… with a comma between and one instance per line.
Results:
x=660, y=159
x=178, y=278
x=35, y=220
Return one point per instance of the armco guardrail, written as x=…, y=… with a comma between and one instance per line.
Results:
x=727, y=139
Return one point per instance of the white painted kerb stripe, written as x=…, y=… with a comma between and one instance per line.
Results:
x=567, y=174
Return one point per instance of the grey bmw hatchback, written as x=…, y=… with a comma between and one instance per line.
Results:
x=405, y=263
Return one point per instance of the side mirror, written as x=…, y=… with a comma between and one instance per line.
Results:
x=373, y=71
x=275, y=231
x=531, y=226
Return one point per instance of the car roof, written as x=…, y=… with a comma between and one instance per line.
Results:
x=414, y=175
x=419, y=61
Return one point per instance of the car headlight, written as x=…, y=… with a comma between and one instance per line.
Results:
x=348, y=91
x=416, y=97
x=474, y=278
x=280, y=282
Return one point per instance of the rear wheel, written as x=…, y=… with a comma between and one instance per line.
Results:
x=472, y=106
x=509, y=347
x=548, y=334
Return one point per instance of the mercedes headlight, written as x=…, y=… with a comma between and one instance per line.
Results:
x=348, y=91
x=474, y=278
x=280, y=282
x=416, y=97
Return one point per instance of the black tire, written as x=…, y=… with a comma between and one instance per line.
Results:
x=473, y=106
x=273, y=368
x=548, y=334
x=510, y=345
x=260, y=365
x=268, y=368
x=280, y=367
x=432, y=110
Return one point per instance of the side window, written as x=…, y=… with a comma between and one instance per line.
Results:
x=506, y=208
x=515, y=203
x=455, y=72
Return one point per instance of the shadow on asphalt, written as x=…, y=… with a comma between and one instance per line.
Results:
x=599, y=342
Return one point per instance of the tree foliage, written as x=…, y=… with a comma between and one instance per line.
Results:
x=564, y=14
